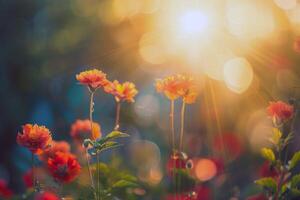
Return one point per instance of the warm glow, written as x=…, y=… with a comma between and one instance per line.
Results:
x=238, y=75
x=205, y=169
x=193, y=22
x=249, y=19
x=286, y=4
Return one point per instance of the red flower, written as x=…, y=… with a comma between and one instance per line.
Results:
x=46, y=196
x=122, y=92
x=92, y=78
x=50, y=152
x=267, y=171
x=280, y=110
x=81, y=129
x=229, y=143
x=27, y=178
x=64, y=167
x=5, y=192
x=35, y=138
x=297, y=45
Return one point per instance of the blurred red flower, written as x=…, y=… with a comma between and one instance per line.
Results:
x=280, y=111
x=46, y=196
x=297, y=45
x=60, y=146
x=81, y=129
x=267, y=171
x=28, y=178
x=92, y=78
x=228, y=143
x=35, y=138
x=64, y=167
x=122, y=92
x=5, y=192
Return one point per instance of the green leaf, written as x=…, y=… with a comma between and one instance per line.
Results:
x=295, y=181
x=268, y=154
x=116, y=134
x=111, y=136
x=294, y=161
x=295, y=192
x=109, y=145
x=267, y=183
x=124, y=184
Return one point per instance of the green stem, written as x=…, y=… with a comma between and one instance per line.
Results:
x=98, y=176
x=172, y=125
x=117, y=122
x=182, y=127
x=91, y=121
x=33, y=172
x=90, y=174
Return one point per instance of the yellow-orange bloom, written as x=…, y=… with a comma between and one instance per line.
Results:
x=35, y=138
x=178, y=86
x=92, y=78
x=81, y=129
x=188, y=89
x=168, y=86
x=122, y=92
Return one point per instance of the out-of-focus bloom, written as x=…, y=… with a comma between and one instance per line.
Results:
x=60, y=146
x=258, y=197
x=35, y=138
x=280, y=111
x=64, y=167
x=228, y=143
x=5, y=192
x=92, y=78
x=81, y=129
x=219, y=165
x=266, y=170
x=178, y=86
x=122, y=92
x=297, y=45
x=28, y=178
x=203, y=193
x=46, y=196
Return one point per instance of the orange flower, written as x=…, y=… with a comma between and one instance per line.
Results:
x=35, y=138
x=178, y=86
x=92, y=78
x=280, y=110
x=81, y=129
x=169, y=86
x=50, y=152
x=188, y=89
x=122, y=92
x=64, y=167
x=46, y=196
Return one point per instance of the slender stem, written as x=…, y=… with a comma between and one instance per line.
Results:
x=182, y=126
x=98, y=175
x=118, y=109
x=91, y=121
x=33, y=172
x=90, y=174
x=172, y=125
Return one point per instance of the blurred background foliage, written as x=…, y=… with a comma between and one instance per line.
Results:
x=244, y=52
